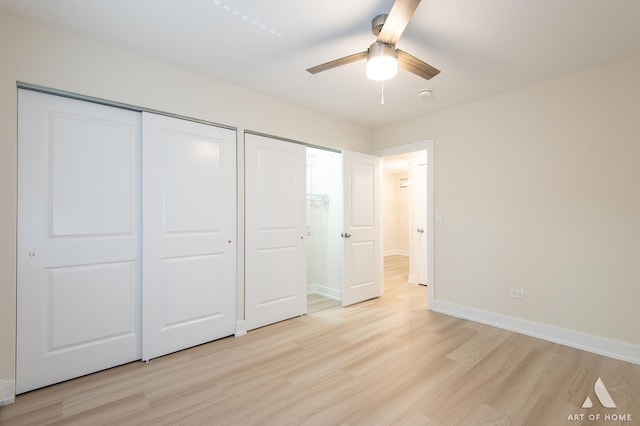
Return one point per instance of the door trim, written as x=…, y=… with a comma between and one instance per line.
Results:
x=308, y=145
x=121, y=105
x=404, y=149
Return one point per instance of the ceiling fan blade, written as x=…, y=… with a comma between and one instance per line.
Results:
x=399, y=16
x=415, y=65
x=338, y=62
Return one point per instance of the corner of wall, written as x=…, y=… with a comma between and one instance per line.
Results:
x=331, y=292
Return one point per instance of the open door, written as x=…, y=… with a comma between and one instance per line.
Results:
x=363, y=278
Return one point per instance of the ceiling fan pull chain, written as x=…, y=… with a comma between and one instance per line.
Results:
x=381, y=92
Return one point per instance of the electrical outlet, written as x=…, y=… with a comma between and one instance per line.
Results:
x=516, y=293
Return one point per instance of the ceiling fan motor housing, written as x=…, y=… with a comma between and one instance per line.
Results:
x=379, y=48
x=377, y=23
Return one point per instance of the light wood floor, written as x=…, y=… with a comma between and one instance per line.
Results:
x=385, y=361
x=317, y=303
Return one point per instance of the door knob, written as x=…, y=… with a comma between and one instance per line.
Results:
x=420, y=230
x=345, y=235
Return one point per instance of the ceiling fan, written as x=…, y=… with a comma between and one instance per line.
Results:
x=382, y=56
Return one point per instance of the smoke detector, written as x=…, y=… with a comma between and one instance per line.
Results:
x=424, y=94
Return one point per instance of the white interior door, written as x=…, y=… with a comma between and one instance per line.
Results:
x=77, y=261
x=275, y=259
x=189, y=234
x=363, y=276
x=419, y=228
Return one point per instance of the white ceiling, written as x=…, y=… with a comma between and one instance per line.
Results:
x=481, y=47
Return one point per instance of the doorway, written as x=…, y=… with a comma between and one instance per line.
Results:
x=351, y=255
x=405, y=214
x=276, y=230
x=410, y=231
x=324, y=224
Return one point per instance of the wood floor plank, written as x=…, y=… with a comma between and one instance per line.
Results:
x=387, y=361
x=477, y=347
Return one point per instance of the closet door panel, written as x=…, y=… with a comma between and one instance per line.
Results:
x=189, y=234
x=275, y=278
x=191, y=201
x=77, y=261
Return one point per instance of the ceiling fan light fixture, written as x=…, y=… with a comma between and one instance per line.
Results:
x=382, y=61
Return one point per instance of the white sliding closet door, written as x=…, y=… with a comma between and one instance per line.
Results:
x=189, y=234
x=77, y=256
x=363, y=275
x=275, y=278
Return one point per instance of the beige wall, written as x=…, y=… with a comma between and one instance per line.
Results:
x=395, y=214
x=390, y=200
x=539, y=189
x=39, y=55
x=403, y=216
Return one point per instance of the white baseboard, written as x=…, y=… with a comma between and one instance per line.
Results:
x=574, y=339
x=330, y=292
x=241, y=328
x=396, y=253
x=7, y=392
